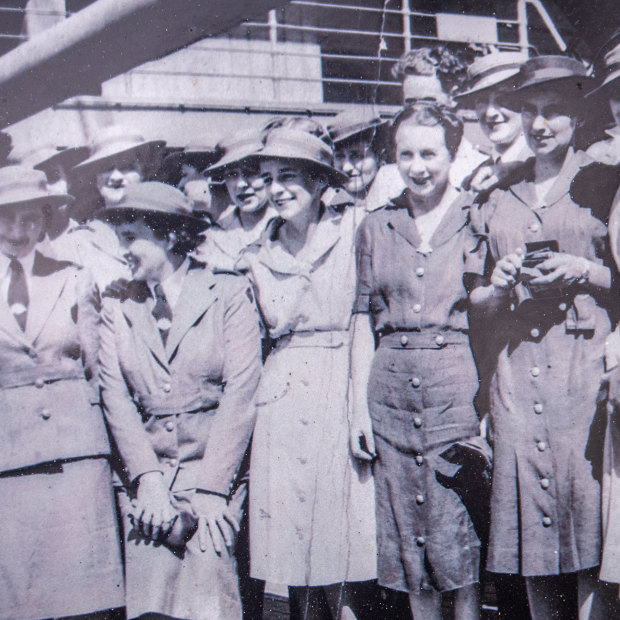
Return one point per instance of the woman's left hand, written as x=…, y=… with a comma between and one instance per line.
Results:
x=561, y=269
x=215, y=521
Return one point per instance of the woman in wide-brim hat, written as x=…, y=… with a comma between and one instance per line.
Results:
x=179, y=363
x=60, y=555
x=311, y=502
x=546, y=287
x=359, y=137
x=248, y=210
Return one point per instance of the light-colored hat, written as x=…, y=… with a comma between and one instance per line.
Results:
x=555, y=72
x=116, y=144
x=354, y=121
x=284, y=143
x=490, y=71
x=234, y=150
x=46, y=156
x=20, y=185
x=155, y=198
x=610, y=66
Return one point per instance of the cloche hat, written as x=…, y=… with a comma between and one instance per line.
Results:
x=353, y=122
x=285, y=143
x=233, y=150
x=20, y=185
x=115, y=144
x=155, y=198
x=490, y=71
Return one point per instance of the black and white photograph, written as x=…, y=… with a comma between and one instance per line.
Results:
x=309, y=310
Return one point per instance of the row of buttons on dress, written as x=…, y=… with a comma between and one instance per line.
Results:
x=439, y=339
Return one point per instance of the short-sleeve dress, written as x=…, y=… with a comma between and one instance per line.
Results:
x=545, y=502
x=311, y=503
x=421, y=389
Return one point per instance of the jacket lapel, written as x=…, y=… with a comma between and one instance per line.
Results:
x=453, y=220
x=141, y=321
x=198, y=294
x=9, y=326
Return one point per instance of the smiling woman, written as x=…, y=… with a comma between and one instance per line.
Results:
x=180, y=414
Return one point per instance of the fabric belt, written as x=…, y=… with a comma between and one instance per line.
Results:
x=160, y=407
x=422, y=340
x=41, y=374
x=331, y=339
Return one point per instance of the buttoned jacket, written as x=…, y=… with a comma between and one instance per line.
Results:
x=50, y=412
x=184, y=408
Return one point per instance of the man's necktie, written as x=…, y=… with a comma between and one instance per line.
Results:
x=17, y=296
x=162, y=313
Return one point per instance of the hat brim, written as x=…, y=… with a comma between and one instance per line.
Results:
x=220, y=167
x=573, y=86
x=334, y=176
x=67, y=158
x=360, y=132
x=54, y=201
x=198, y=159
x=601, y=88
x=97, y=163
x=118, y=215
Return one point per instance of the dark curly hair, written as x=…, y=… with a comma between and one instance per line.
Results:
x=428, y=114
x=438, y=60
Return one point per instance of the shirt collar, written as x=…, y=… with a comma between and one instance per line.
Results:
x=27, y=263
x=172, y=285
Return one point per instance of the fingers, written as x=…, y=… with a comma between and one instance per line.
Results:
x=217, y=539
x=228, y=516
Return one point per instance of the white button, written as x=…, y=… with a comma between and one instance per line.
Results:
x=416, y=382
x=39, y=383
x=417, y=422
x=404, y=340
x=419, y=499
x=538, y=408
x=535, y=333
x=535, y=371
x=417, y=307
x=169, y=426
x=562, y=307
x=547, y=522
x=419, y=459
x=419, y=272
x=534, y=227
x=544, y=483
x=420, y=541
x=173, y=462
x=439, y=340
x=46, y=414
x=166, y=387
x=542, y=446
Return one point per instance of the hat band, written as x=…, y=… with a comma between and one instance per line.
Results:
x=485, y=73
x=160, y=206
x=551, y=73
x=303, y=149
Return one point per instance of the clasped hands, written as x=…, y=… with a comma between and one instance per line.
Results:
x=556, y=269
x=154, y=516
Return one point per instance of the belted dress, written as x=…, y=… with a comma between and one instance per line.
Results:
x=312, y=519
x=546, y=501
x=182, y=409
x=60, y=550
x=420, y=392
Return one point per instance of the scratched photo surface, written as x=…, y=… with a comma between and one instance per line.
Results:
x=308, y=309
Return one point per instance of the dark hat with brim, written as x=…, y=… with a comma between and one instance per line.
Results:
x=355, y=123
x=233, y=151
x=160, y=200
x=611, y=69
x=284, y=143
x=559, y=73
x=196, y=155
x=491, y=72
x=115, y=146
x=21, y=186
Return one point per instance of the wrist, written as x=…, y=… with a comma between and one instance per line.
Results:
x=585, y=272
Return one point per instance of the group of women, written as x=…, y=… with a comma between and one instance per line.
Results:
x=369, y=357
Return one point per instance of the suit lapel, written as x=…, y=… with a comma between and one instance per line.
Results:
x=44, y=295
x=9, y=326
x=143, y=324
x=453, y=220
x=198, y=294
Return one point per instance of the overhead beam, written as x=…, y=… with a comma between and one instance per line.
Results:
x=105, y=39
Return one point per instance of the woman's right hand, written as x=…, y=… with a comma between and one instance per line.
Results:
x=507, y=270
x=153, y=514
x=361, y=440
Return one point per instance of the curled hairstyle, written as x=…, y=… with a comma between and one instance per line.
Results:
x=425, y=114
x=437, y=60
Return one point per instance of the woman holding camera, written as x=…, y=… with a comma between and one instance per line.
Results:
x=547, y=288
